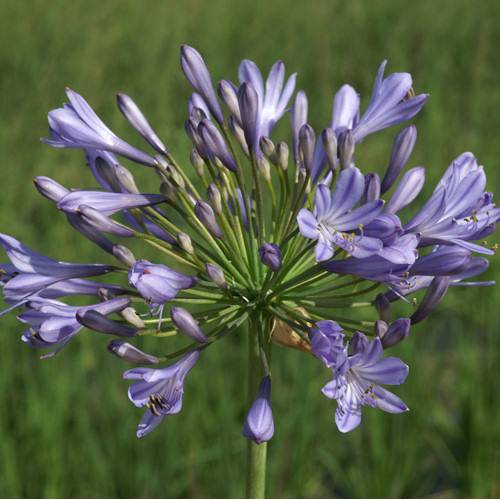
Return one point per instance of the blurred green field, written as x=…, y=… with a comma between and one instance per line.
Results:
x=66, y=426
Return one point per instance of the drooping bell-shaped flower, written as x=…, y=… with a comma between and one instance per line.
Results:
x=259, y=423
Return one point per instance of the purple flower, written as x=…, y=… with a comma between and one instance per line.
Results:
x=197, y=74
x=107, y=203
x=259, y=424
x=299, y=119
x=214, y=145
x=158, y=283
x=459, y=210
x=270, y=255
x=334, y=220
x=184, y=321
x=130, y=353
x=33, y=272
x=159, y=390
x=135, y=117
x=401, y=151
x=53, y=324
x=327, y=344
x=272, y=97
x=391, y=103
x=77, y=126
x=356, y=376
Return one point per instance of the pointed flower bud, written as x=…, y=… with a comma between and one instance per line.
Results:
x=401, y=151
x=50, y=189
x=268, y=148
x=215, y=145
x=395, y=333
x=283, y=154
x=185, y=242
x=330, y=146
x=216, y=275
x=372, y=187
x=238, y=134
x=100, y=323
x=380, y=328
x=435, y=293
x=259, y=424
x=299, y=119
x=270, y=256
x=307, y=143
x=229, y=94
x=135, y=117
x=125, y=180
x=206, y=215
x=197, y=74
x=104, y=223
x=346, y=148
x=124, y=255
x=184, y=321
x=130, y=353
x=215, y=198
x=249, y=107
x=197, y=162
x=383, y=306
x=130, y=315
x=264, y=167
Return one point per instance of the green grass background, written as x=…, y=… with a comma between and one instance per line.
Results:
x=66, y=426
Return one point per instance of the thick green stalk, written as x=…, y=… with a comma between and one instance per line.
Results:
x=256, y=453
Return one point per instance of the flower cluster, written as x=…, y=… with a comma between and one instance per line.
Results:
x=283, y=237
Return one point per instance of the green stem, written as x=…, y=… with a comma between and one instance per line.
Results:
x=256, y=453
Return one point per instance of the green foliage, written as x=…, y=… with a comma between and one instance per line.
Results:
x=67, y=427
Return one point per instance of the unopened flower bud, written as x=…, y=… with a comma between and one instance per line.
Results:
x=268, y=148
x=168, y=190
x=124, y=255
x=135, y=117
x=197, y=74
x=50, y=188
x=372, y=187
x=307, y=143
x=184, y=321
x=215, y=198
x=103, y=223
x=435, y=293
x=270, y=256
x=184, y=241
x=125, y=179
x=238, y=134
x=206, y=215
x=299, y=118
x=216, y=275
x=197, y=162
x=175, y=177
x=228, y=93
x=264, y=167
x=330, y=146
x=401, y=151
x=130, y=315
x=249, y=108
x=259, y=424
x=380, y=328
x=100, y=323
x=346, y=148
x=396, y=332
x=383, y=306
x=131, y=354
x=283, y=153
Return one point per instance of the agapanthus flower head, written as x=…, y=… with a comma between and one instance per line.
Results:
x=282, y=241
x=159, y=390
